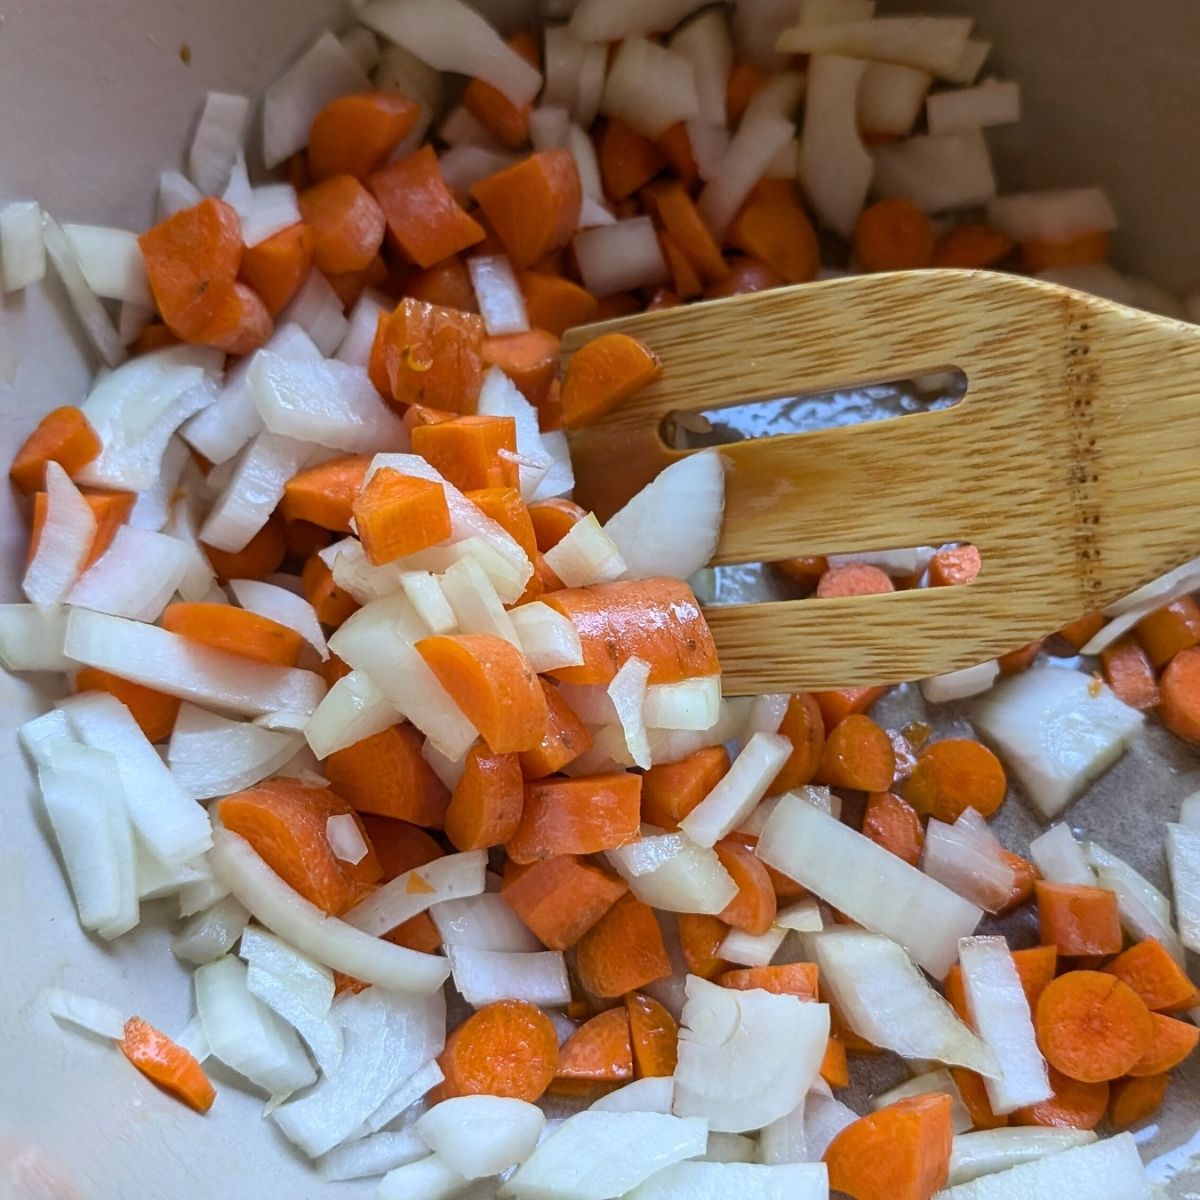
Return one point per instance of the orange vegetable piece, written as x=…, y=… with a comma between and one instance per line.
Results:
x=1035, y=968
x=277, y=267
x=507, y=122
x=901, y=1152
x=555, y=304
x=563, y=741
x=1078, y=920
x=953, y=567
x=424, y=220
x=623, y=951
x=656, y=620
x=446, y=284
x=789, y=979
x=1080, y=632
x=64, y=436
x=774, y=228
x=346, y=222
x=399, y=846
x=385, y=774
x=804, y=727
x=973, y=1091
x=529, y=359
x=355, y=135
x=430, y=356
x=1179, y=687
x=684, y=278
x=671, y=790
x=552, y=521
x=1092, y=1026
x=893, y=235
x=561, y=898
x=485, y=808
x=700, y=938
x=397, y=514
x=853, y=579
x=1133, y=1100
x=505, y=1049
x=111, y=509
x=1129, y=673
x=676, y=148
x=417, y=933
x=167, y=1064
x=953, y=775
x=324, y=494
x=1021, y=658
x=1149, y=969
x=577, y=816
x=835, y=1066
x=628, y=161
x=154, y=712
x=618, y=304
x=155, y=336
x=1167, y=630
x=239, y=322
x=744, y=83
x=533, y=205
x=663, y=298
x=505, y=506
x=893, y=824
x=1173, y=1041
x=858, y=754
x=682, y=220
x=971, y=247
x=332, y=605
x=598, y=1055
x=234, y=630
x=1073, y=1105
x=746, y=275
x=654, y=1034
x=304, y=539
x=259, y=558
x=753, y=908
x=1025, y=876
x=1042, y=255
x=837, y=706
x=468, y=451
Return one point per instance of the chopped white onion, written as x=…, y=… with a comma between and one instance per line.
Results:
x=930, y=1082
x=966, y=71
x=131, y=320
x=483, y=922
x=86, y=1012
x=135, y=577
x=937, y=173
x=559, y=480
x=353, y=709
x=32, y=639
x=317, y=309
x=1053, y=216
x=735, y=795
x=933, y=44
x=486, y=976
x=344, y=838
x=758, y=139
x=204, y=893
x=993, y=102
x=429, y=599
x=548, y=126
x=429, y=1178
x=611, y=20
x=273, y=207
x=92, y=314
x=670, y=872
x=474, y=603
x=64, y=543
x=804, y=917
x=593, y=67
x=990, y=1150
x=689, y=704
x=1183, y=858
x=588, y=166
x=705, y=43
x=890, y=97
x=482, y=1135
x=355, y=346
x=446, y=878
x=111, y=261
x=43, y=735
x=500, y=397
x=782, y=1141
x=217, y=141
x=824, y=1119
x=627, y=691
x=402, y=1098
x=751, y=950
x=1059, y=857
x=968, y=862
x=958, y=685
x=652, y=1094
x=500, y=301
x=562, y=63
x=402, y=71
x=375, y=1154
x=745, y=1179
x=586, y=555
x=353, y=572
x=22, y=251
x=1144, y=910
x=152, y=507
x=175, y=193
x=211, y=933
x=548, y=639
x=835, y=166
x=649, y=87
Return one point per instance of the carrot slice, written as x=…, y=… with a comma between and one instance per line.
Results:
x=623, y=951
x=837, y=706
x=507, y=122
x=565, y=738
x=973, y=1091
x=505, y=506
x=469, y=451
x=858, y=754
x=893, y=235
x=399, y=846
x=746, y=275
x=397, y=515
x=774, y=228
x=234, y=630
x=1021, y=658
x=386, y=774
x=505, y=1049
x=278, y=265
x=901, y=1152
x=529, y=359
x=753, y=908
x=1080, y=632
x=577, y=816
x=446, y=284
x=1039, y=256
x=681, y=219
x=332, y=605
x=1035, y=968
x=346, y=222
x=893, y=824
x=324, y=494
x=259, y=558
x=154, y=712
x=111, y=509
x=424, y=220
x=355, y=135
x=853, y=579
x=684, y=278
x=656, y=620
x=553, y=520
x=628, y=161
x=561, y=898
x=1133, y=1100
x=1149, y=969
x=1180, y=690
x=64, y=436
x=954, y=567
x=1078, y=920
x=1025, y=877
x=555, y=304
x=167, y=1064
x=804, y=727
x=597, y=1056
x=790, y=979
x=485, y=808
x=1167, y=630
x=1129, y=673
x=1073, y=1105
x=1173, y=1041
x=676, y=147
x=655, y=1036
x=304, y=539
x=238, y=321
x=671, y=790
x=428, y=355
x=155, y=336
x=953, y=775
x=700, y=938
x=604, y=373
x=971, y=247
x=1092, y=1026
x=533, y=205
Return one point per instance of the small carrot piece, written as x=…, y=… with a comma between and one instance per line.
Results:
x=507, y=122
x=837, y=706
x=1025, y=877
x=1130, y=673
x=745, y=81
x=533, y=205
x=618, y=304
x=1167, y=630
x=386, y=774
x=278, y=265
x=680, y=217
x=774, y=228
x=893, y=824
x=505, y=1049
x=1080, y=632
x=1092, y=1027
x=973, y=1091
x=234, y=630
x=529, y=359
x=553, y=520
x=623, y=951
x=259, y=558
x=399, y=845
x=853, y=579
x=1078, y=920
x=154, y=712
x=64, y=436
x=654, y=1034
x=676, y=147
x=954, y=567
x=347, y=224
x=804, y=727
x=565, y=738
x=746, y=275
x=901, y=1152
x=953, y=775
x=238, y=322
x=577, y=816
x=893, y=235
x=167, y=1064
x=485, y=808
x=971, y=247
x=417, y=933
x=628, y=161
x=446, y=284
x=790, y=979
x=671, y=790
x=604, y=373
x=424, y=220
x=597, y=1056
x=505, y=506
x=753, y=908
x=684, y=278
x=355, y=135
x=561, y=898
x=555, y=304
x=304, y=539
x=111, y=509
x=858, y=754
x=1035, y=968
x=1162, y=983
x=397, y=514
x=700, y=937
x=1087, y=248
x=428, y=355
x=332, y=605
x=1073, y=1105
x=835, y=1066
x=155, y=336
x=325, y=494
x=1021, y=658
x=1179, y=687
x=1133, y=1100
x=1173, y=1041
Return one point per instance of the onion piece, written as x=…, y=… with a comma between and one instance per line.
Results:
x=63, y=544
x=1183, y=859
x=1056, y=215
x=32, y=639
x=627, y=691
x=804, y=917
x=429, y=1178
x=152, y=507
x=353, y=572
x=22, y=251
x=135, y=577
x=757, y=25
x=824, y=1119
x=881, y=995
x=111, y=261
x=562, y=63
x=745, y=1179
x=835, y=166
x=587, y=164
x=429, y=599
x=937, y=173
x=355, y=346
x=593, y=68
x=958, y=685
x=375, y=1154
x=500, y=301
x=547, y=638
x=649, y=87
x=933, y=44
x=208, y=935
x=1057, y=730
x=328, y=940
x=401, y=71
x=464, y=165
x=931, y=1082
x=481, y=1135
x=706, y=44
x=559, y=479
x=500, y=397
x=473, y=600
x=586, y=555
x=461, y=128
x=548, y=126
x=993, y=102
x=652, y=1094
x=991, y=1150
x=482, y=922
x=1059, y=857
x=689, y=704
x=344, y=838
x=486, y=976
x=1144, y=910
x=273, y=208
x=746, y=1058
x=317, y=309
x=450, y=36
x=93, y=316
x=155, y=879
x=446, y=878
x=353, y=709
x=611, y=20
x=890, y=98
x=86, y=1013
x=194, y=897
x=751, y=950
x=175, y=193
x=782, y=1141
x=734, y=797
x=401, y=1098
x=599, y=1155
x=670, y=872
x=758, y=139
x=217, y=141
x=968, y=861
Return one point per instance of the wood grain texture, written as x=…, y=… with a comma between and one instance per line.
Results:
x=1071, y=462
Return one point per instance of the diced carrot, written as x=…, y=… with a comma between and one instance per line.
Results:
x=804, y=727
x=1167, y=630
x=505, y=1049
x=744, y=82
x=598, y=1055
x=561, y=898
x=399, y=845
x=485, y=808
x=167, y=1064
x=470, y=451
x=529, y=359
x=155, y=336
x=397, y=514
x=628, y=161
x=971, y=247
x=700, y=938
x=953, y=775
x=785, y=888
x=555, y=304
x=239, y=322
x=385, y=774
x=577, y=816
x=1078, y=920
x=617, y=304
x=1080, y=632
x=858, y=754
x=259, y=558
x=507, y=122
x=676, y=148
x=1025, y=876
x=753, y=908
x=1091, y=1026
x=604, y=373
x=324, y=494
x=680, y=217
x=552, y=521
x=1129, y=672
x=774, y=228
x=111, y=510
x=671, y=790
x=1133, y=1100
x=790, y=979
x=955, y=566
x=563, y=741
x=853, y=579
x=234, y=630
x=424, y=220
x=746, y=275
x=684, y=278
x=350, y=285
x=1149, y=969
x=1037, y=256
x=154, y=712
x=355, y=135
x=494, y=685
x=64, y=436
x=446, y=284
x=347, y=224
x=430, y=356
x=1021, y=658
x=304, y=539
x=533, y=205
x=1173, y=1041
x=332, y=605
x=901, y=1152
x=893, y=824
x=654, y=1034
x=973, y=1091
x=835, y=1066
x=893, y=235
x=837, y=706
x=333, y=669
x=656, y=620
x=278, y=265
x=417, y=933
x=505, y=506
x=1073, y=1105
x=623, y=951
x=1179, y=688
x=1035, y=968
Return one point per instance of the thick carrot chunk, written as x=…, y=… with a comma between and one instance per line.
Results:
x=623, y=951
x=671, y=790
x=628, y=161
x=278, y=266
x=804, y=727
x=561, y=898
x=953, y=775
x=470, y=451
x=485, y=808
x=430, y=356
x=598, y=1056
x=346, y=222
x=893, y=235
x=529, y=359
x=399, y=514
x=332, y=605
x=655, y=1036
x=1078, y=920
x=563, y=741
x=63, y=436
x=555, y=304
x=506, y=1049
x=386, y=774
x=259, y=558
x=893, y=824
x=773, y=227
x=602, y=374
x=355, y=135
x=858, y=754
x=234, y=630
x=324, y=494
x=1162, y=983
x=577, y=816
x=507, y=122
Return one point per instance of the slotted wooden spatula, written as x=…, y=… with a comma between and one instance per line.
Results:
x=1073, y=462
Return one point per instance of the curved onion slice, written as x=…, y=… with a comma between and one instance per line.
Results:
x=652, y=1094
x=1144, y=910
x=890, y=98
x=548, y=639
x=210, y=755
x=824, y=1118
x=627, y=691
x=353, y=709
x=485, y=976
x=278, y=604
x=473, y=601
x=670, y=872
x=649, y=87
x=135, y=577
x=690, y=704
x=747, y=1180
x=63, y=544
x=759, y=138
x=990, y=1150
x=950, y=171
x=111, y=261
x=933, y=44
x=499, y=297
x=92, y=314
x=211, y=933
x=32, y=640
x=958, y=685
x=1183, y=859
x=22, y=250
x=447, y=878
x=835, y=166
x=483, y=922
x=429, y=1178
x=1059, y=857
x=217, y=141
x=482, y=1135
x=739, y=790
x=968, y=861
x=500, y=397
x=372, y=1155
x=750, y=949
x=86, y=1012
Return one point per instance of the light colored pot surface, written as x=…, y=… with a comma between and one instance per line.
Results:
x=97, y=100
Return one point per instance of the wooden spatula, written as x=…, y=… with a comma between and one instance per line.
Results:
x=1073, y=463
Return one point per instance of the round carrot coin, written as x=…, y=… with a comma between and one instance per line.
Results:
x=954, y=775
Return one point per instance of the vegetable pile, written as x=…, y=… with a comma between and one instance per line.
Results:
x=437, y=768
